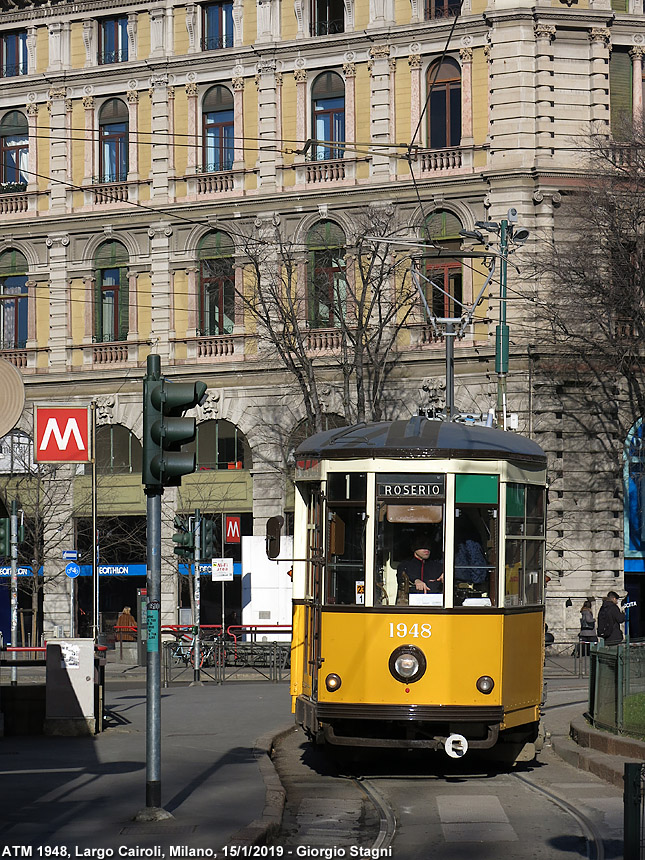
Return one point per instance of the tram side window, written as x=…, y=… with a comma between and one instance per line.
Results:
x=525, y=530
x=346, y=522
x=476, y=542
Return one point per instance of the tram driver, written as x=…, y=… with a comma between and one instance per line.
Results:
x=420, y=574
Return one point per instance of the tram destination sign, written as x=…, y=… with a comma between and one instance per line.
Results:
x=407, y=487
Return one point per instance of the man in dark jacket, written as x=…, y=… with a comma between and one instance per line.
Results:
x=610, y=618
x=420, y=574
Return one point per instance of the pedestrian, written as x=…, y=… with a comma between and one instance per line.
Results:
x=610, y=618
x=126, y=620
x=587, y=635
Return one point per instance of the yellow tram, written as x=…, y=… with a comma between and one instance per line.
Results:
x=380, y=660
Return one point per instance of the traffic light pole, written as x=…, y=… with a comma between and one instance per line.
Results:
x=502, y=336
x=198, y=592
x=153, y=663
x=14, y=590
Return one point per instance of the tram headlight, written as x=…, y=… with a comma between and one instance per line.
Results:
x=407, y=664
x=485, y=684
x=333, y=682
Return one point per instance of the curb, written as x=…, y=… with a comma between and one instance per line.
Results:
x=598, y=752
x=260, y=830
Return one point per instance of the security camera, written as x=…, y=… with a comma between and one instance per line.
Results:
x=512, y=216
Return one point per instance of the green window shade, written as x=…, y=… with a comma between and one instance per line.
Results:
x=124, y=305
x=619, y=5
x=515, y=500
x=476, y=489
x=620, y=90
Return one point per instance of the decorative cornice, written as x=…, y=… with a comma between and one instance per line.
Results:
x=380, y=52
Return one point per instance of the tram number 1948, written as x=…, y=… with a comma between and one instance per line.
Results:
x=402, y=631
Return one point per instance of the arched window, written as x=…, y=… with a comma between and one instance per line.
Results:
x=445, y=294
x=216, y=284
x=112, y=309
x=444, y=116
x=118, y=451
x=328, y=116
x=13, y=300
x=327, y=285
x=220, y=445
x=218, y=130
x=113, y=141
x=327, y=16
x=14, y=148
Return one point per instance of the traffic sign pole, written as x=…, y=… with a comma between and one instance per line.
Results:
x=14, y=590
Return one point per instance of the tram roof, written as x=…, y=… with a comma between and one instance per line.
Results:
x=421, y=437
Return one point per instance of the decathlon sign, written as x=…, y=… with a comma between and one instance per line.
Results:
x=62, y=434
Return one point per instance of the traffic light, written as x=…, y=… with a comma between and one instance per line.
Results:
x=208, y=540
x=184, y=538
x=5, y=538
x=274, y=527
x=165, y=429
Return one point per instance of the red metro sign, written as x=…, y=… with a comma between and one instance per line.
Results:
x=62, y=434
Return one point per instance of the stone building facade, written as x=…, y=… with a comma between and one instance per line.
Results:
x=136, y=140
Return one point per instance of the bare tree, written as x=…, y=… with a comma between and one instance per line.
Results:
x=332, y=310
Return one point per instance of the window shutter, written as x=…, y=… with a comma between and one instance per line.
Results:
x=619, y=5
x=620, y=90
x=98, y=310
x=124, y=305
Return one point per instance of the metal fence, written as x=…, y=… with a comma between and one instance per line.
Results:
x=617, y=688
x=223, y=660
x=567, y=659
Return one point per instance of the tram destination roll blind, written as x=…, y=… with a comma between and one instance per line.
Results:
x=407, y=487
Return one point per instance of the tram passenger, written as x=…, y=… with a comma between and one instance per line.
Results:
x=472, y=568
x=420, y=574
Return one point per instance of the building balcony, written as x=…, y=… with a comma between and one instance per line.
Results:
x=323, y=341
x=213, y=348
x=21, y=357
x=335, y=171
x=121, y=353
x=104, y=192
x=15, y=200
x=431, y=162
x=214, y=183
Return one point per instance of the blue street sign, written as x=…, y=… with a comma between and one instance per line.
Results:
x=71, y=554
x=72, y=570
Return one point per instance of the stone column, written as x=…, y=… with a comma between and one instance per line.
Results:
x=636, y=54
x=90, y=290
x=489, y=65
x=238, y=268
x=238, y=122
x=70, y=124
x=32, y=158
x=267, y=121
x=544, y=36
x=159, y=234
x=350, y=102
x=600, y=47
x=58, y=299
x=268, y=495
x=466, y=56
x=88, y=169
x=279, y=158
x=393, y=161
x=193, y=131
x=58, y=521
x=133, y=300
x=32, y=342
x=171, y=131
x=380, y=108
x=159, y=129
x=58, y=152
x=192, y=276
x=300, y=77
x=132, y=97
x=414, y=61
